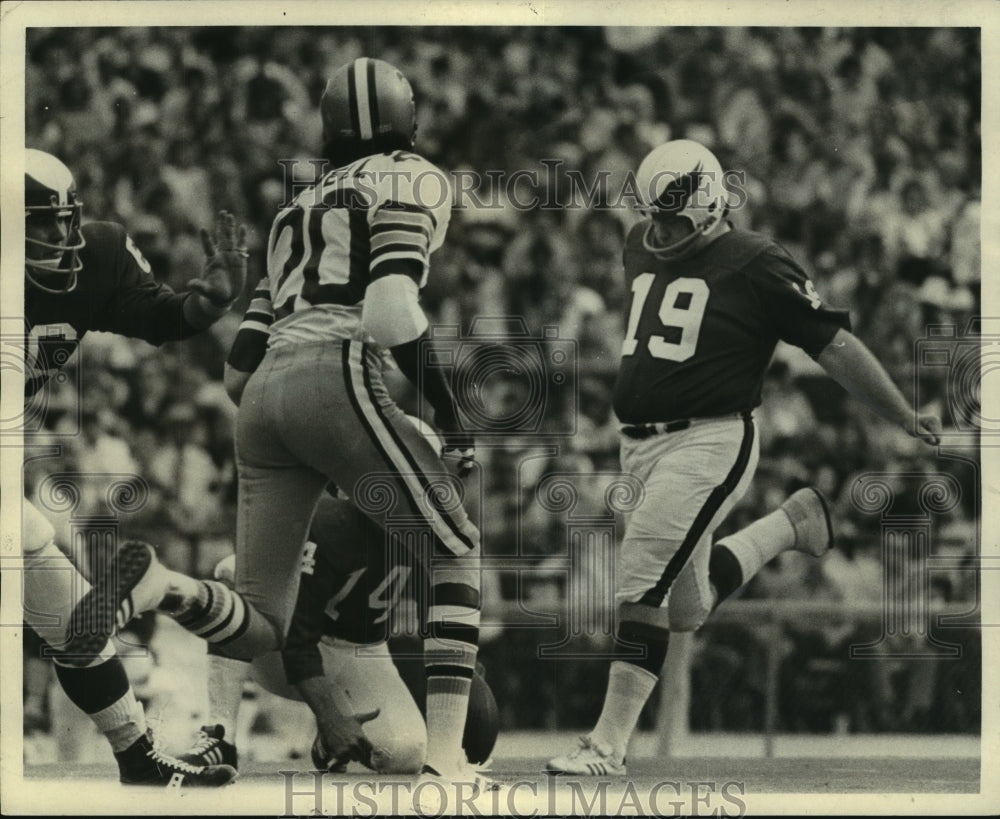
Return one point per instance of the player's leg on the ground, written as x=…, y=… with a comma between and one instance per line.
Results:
x=364, y=678
x=395, y=456
x=802, y=522
x=450, y=650
x=216, y=739
x=97, y=684
x=376, y=455
x=691, y=479
x=103, y=692
x=215, y=742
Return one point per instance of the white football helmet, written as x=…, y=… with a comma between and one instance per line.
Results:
x=681, y=177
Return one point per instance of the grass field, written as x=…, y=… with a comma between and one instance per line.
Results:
x=799, y=779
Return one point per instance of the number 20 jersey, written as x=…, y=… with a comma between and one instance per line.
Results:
x=701, y=331
x=379, y=216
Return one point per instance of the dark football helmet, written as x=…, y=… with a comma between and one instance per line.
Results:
x=367, y=108
x=52, y=237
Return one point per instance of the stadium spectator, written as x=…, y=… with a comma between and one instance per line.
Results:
x=865, y=144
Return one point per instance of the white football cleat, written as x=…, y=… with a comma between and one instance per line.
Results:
x=809, y=513
x=590, y=759
x=434, y=791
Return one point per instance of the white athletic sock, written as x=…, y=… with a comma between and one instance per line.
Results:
x=447, y=706
x=758, y=544
x=225, y=692
x=628, y=689
x=122, y=722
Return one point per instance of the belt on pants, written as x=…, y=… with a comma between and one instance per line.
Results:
x=639, y=432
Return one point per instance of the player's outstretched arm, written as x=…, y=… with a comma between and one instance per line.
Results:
x=224, y=276
x=852, y=365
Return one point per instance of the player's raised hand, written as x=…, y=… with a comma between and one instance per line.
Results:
x=225, y=272
x=927, y=428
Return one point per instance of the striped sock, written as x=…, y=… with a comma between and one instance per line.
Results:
x=217, y=612
x=450, y=661
x=221, y=616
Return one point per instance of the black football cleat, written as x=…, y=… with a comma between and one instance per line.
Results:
x=211, y=748
x=144, y=764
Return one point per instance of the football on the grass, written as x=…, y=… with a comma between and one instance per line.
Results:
x=483, y=722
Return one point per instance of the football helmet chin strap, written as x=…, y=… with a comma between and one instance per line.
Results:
x=679, y=248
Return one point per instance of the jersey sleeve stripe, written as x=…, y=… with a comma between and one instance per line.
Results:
x=261, y=300
x=398, y=218
x=261, y=304
x=397, y=239
x=257, y=326
x=397, y=251
x=260, y=313
x=395, y=209
x=386, y=226
x=408, y=264
x=414, y=268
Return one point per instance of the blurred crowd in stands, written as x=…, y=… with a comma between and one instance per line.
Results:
x=861, y=153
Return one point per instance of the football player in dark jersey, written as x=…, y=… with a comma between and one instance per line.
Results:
x=709, y=303
x=81, y=277
x=336, y=654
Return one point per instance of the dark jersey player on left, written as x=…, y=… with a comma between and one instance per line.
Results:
x=92, y=277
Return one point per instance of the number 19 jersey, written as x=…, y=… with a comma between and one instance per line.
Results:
x=379, y=216
x=701, y=331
